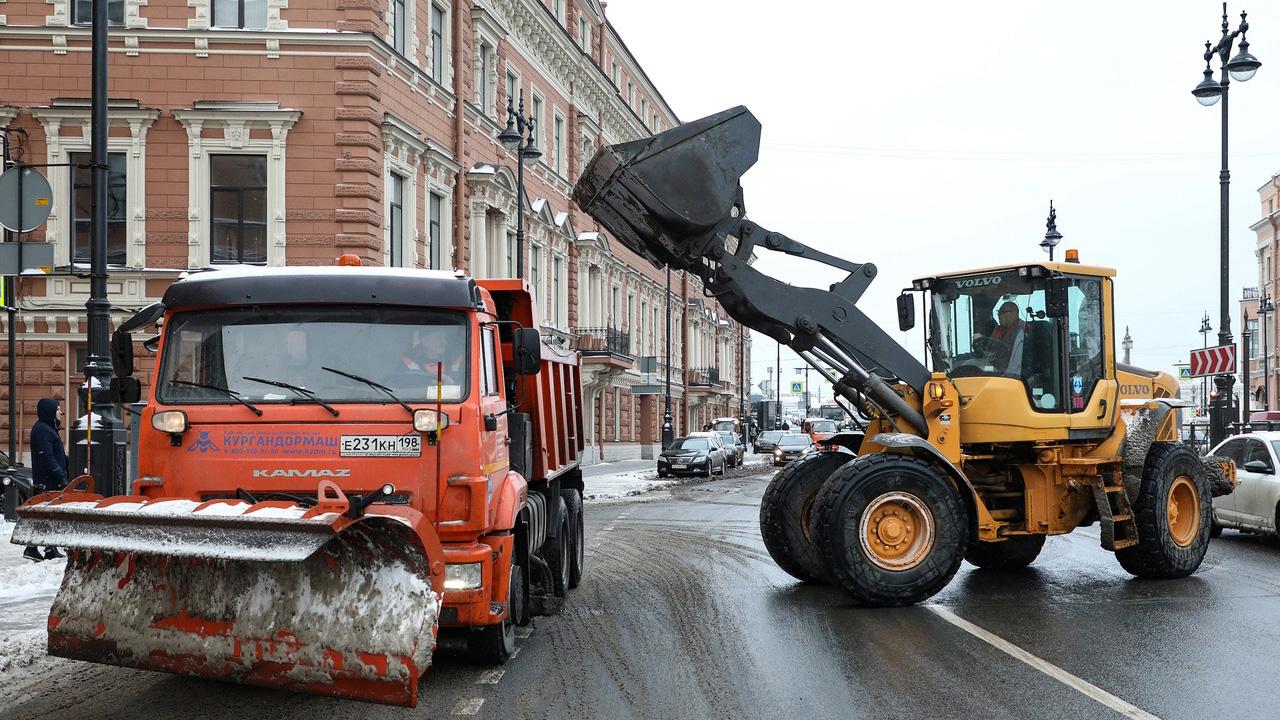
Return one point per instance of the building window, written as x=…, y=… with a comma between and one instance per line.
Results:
x=617, y=76
x=559, y=144
x=238, y=196
x=536, y=114
x=484, y=86
x=561, y=10
x=614, y=309
x=513, y=90
x=557, y=283
x=535, y=276
x=81, y=202
x=396, y=23
x=82, y=11
x=437, y=43
x=644, y=108
x=584, y=34
x=243, y=14
x=631, y=95
x=510, y=268
x=396, y=218
x=436, y=212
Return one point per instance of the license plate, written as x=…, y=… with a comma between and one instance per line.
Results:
x=381, y=446
x=679, y=467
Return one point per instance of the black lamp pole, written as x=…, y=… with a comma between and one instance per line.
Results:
x=519, y=136
x=668, y=432
x=1240, y=68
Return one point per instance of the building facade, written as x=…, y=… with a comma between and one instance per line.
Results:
x=289, y=132
x=1267, y=230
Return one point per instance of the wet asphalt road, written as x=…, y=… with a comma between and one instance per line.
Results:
x=683, y=615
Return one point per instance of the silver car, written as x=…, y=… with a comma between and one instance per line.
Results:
x=1255, y=503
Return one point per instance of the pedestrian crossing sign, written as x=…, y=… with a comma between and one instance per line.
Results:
x=1184, y=372
x=797, y=387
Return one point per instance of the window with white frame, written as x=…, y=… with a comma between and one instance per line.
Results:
x=617, y=76
x=435, y=228
x=117, y=205
x=559, y=298
x=631, y=94
x=615, y=308
x=644, y=109
x=536, y=113
x=238, y=198
x=509, y=268
x=584, y=34
x=484, y=89
x=535, y=277
x=241, y=14
x=82, y=12
x=439, y=43
x=562, y=10
x=643, y=340
x=397, y=25
x=513, y=90
x=559, y=144
x=395, y=218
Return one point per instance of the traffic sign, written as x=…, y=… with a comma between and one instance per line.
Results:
x=25, y=194
x=1184, y=372
x=797, y=387
x=1218, y=360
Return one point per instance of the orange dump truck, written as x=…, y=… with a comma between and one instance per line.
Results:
x=337, y=468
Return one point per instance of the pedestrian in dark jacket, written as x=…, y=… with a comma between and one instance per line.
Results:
x=48, y=460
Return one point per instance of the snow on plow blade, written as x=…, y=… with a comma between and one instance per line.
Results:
x=269, y=594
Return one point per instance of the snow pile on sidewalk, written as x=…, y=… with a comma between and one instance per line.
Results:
x=633, y=482
x=26, y=592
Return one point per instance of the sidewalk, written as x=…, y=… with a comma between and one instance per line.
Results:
x=26, y=592
x=628, y=478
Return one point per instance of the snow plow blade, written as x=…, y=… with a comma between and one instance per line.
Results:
x=271, y=594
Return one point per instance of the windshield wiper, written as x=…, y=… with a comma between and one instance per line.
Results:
x=372, y=384
x=296, y=388
x=229, y=393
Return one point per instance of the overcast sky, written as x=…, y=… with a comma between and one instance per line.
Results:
x=929, y=136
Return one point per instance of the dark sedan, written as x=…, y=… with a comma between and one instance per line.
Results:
x=23, y=473
x=790, y=446
x=692, y=456
x=767, y=440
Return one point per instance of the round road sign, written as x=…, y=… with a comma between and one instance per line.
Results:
x=32, y=203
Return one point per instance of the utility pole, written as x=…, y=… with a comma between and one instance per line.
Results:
x=777, y=392
x=806, y=390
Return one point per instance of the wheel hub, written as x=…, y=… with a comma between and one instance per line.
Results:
x=896, y=531
x=1183, y=511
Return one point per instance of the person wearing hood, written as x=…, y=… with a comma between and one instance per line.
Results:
x=48, y=461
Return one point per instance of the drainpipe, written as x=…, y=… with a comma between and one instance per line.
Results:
x=459, y=200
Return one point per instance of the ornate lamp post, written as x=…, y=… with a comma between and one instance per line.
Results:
x=1265, y=308
x=1205, y=329
x=668, y=431
x=519, y=136
x=1240, y=68
x=1051, y=237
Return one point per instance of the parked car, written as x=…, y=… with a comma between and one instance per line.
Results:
x=691, y=455
x=730, y=453
x=790, y=446
x=1253, y=506
x=26, y=489
x=766, y=440
x=733, y=443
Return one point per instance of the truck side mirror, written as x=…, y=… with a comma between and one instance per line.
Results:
x=906, y=312
x=122, y=353
x=127, y=389
x=526, y=350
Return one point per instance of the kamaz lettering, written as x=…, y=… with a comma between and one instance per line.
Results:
x=302, y=473
x=978, y=282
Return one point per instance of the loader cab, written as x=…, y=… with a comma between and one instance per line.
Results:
x=1035, y=337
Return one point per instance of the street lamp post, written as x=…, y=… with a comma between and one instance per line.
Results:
x=1265, y=307
x=519, y=136
x=1239, y=68
x=1205, y=329
x=668, y=432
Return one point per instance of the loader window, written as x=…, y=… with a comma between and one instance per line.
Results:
x=401, y=348
x=996, y=325
x=1084, y=327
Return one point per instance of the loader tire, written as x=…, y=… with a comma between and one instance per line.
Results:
x=493, y=644
x=577, y=536
x=1012, y=554
x=557, y=551
x=785, y=510
x=893, y=529
x=1174, y=514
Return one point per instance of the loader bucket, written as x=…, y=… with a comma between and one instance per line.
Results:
x=269, y=594
x=661, y=195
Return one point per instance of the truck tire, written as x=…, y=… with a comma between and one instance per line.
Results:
x=1012, y=554
x=893, y=529
x=493, y=644
x=577, y=536
x=557, y=551
x=1174, y=514
x=785, y=510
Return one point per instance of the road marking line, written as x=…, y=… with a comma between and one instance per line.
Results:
x=468, y=707
x=1044, y=666
x=516, y=652
x=491, y=677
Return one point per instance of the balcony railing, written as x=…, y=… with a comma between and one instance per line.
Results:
x=706, y=377
x=602, y=341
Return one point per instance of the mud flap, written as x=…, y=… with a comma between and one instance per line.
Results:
x=354, y=618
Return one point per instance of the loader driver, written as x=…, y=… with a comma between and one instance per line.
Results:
x=1004, y=347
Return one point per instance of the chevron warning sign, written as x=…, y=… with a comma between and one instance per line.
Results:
x=1213, y=361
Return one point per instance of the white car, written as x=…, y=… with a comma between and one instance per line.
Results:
x=1255, y=503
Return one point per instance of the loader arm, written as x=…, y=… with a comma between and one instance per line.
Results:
x=675, y=198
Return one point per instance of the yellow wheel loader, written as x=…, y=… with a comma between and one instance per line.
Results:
x=1023, y=425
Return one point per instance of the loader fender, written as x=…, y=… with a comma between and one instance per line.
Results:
x=908, y=444
x=1145, y=422
x=849, y=440
x=508, y=499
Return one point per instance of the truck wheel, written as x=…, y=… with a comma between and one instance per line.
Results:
x=577, y=536
x=557, y=551
x=1012, y=554
x=1174, y=514
x=493, y=644
x=892, y=528
x=784, y=516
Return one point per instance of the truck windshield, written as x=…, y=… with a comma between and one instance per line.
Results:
x=996, y=325
x=400, y=348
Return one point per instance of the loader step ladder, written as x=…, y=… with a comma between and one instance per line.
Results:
x=1114, y=513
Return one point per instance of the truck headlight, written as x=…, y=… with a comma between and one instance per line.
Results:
x=170, y=421
x=429, y=421
x=462, y=577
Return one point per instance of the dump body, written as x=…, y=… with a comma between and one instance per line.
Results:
x=327, y=476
